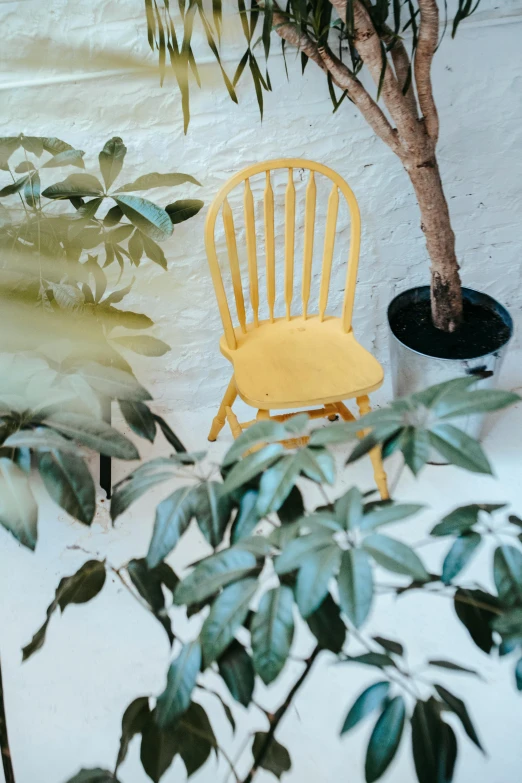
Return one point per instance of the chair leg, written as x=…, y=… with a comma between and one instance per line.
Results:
x=332, y=412
x=375, y=454
x=221, y=416
x=232, y=419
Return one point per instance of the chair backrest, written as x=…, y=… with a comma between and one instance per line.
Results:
x=221, y=203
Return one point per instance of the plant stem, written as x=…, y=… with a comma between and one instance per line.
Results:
x=4, y=739
x=279, y=715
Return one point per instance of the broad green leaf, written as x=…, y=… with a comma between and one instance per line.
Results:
x=84, y=214
x=133, y=722
x=75, y=185
x=260, y=546
x=33, y=144
x=275, y=758
x=317, y=464
x=111, y=160
x=227, y=614
x=179, y=211
x=379, y=435
x=395, y=556
x=372, y=698
x=470, y=402
x=247, y=517
x=158, y=748
x=113, y=382
x=151, y=220
x=433, y=742
x=415, y=446
x=113, y=217
x=135, y=247
x=388, y=512
x=181, y=681
x=55, y=146
x=66, y=158
x=139, y=418
x=148, y=582
x=32, y=190
x=79, y=588
x=237, y=671
x=18, y=508
x=313, y=578
x=272, y=630
x=93, y=433
x=471, y=608
x=355, y=583
x=40, y=439
x=348, y=509
x=173, y=517
x=251, y=466
x=132, y=490
x=433, y=395
x=260, y=432
x=24, y=167
x=68, y=481
x=385, y=739
x=153, y=251
x=457, y=706
x=461, y=552
x=327, y=626
x=194, y=737
x=507, y=573
x=213, y=573
x=143, y=344
x=14, y=187
x=293, y=553
x=459, y=449
x=8, y=145
x=292, y=508
x=461, y=519
x=276, y=484
x=126, y=318
x=212, y=509
x=93, y=776
x=155, y=180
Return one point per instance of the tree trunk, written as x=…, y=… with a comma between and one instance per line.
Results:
x=446, y=289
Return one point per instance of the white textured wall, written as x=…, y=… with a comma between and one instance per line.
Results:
x=478, y=85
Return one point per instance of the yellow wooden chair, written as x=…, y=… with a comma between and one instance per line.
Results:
x=293, y=361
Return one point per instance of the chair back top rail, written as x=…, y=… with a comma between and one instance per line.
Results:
x=221, y=203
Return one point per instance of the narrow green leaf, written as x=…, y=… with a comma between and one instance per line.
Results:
x=276, y=484
x=457, y=706
x=461, y=552
x=395, y=556
x=386, y=513
x=348, y=509
x=293, y=553
x=355, y=583
x=143, y=344
x=251, y=466
x=158, y=748
x=68, y=481
x=470, y=606
x=372, y=698
x=507, y=573
x=471, y=402
x=131, y=491
x=155, y=180
x=15, y=187
x=452, y=666
x=385, y=739
x=247, y=517
x=212, y=509
x=113, y=382
x=272, y=630
x=227, y=614
x=260, y=432
x=66, y=158
x=181, y=681
x=40, y=439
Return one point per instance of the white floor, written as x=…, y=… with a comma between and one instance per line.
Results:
x=65, y=704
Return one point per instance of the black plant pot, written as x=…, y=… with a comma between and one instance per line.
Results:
x=422, y=356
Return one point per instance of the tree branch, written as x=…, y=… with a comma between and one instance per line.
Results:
x=372, y=113
x=278, y=716
x=292, y=35
x=426, y=47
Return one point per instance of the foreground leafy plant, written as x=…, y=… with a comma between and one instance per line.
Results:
x=277, y=565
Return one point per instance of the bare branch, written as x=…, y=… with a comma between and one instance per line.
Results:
x=372, y=113
x=426, y=47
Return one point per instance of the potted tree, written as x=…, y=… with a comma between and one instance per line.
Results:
x=441, y=330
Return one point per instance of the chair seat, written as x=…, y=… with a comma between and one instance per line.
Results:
x=297, y=362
